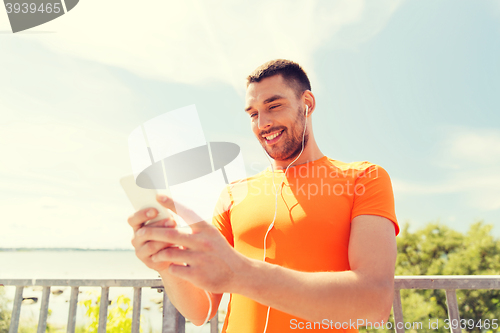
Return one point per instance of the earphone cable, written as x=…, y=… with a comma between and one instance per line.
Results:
x=276, y=205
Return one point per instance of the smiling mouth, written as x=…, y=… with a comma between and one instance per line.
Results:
x=273, y=137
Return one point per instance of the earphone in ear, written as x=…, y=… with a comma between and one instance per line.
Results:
x=307, y=109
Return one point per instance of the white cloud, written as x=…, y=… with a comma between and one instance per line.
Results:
x=55, y=150
x=59, y=185
x=478, y=146
x=63, y=150
x=470, y=158
x=198, y=41
x=61, y=146
x=403, y=187
x=64, y=222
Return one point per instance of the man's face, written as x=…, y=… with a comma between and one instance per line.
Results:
x=277, y=117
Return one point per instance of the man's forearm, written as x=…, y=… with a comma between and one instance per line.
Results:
x=336, y=296
x=191, y=301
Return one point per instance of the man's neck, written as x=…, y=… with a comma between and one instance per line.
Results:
x=310, y=153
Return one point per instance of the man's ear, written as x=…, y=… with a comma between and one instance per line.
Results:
x=309, y=101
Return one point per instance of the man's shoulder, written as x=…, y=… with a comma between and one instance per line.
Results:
x=359, y=166
x=248, y=179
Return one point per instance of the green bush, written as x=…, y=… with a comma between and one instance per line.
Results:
x=4, y=312
x=439, y=250
x=119, y=315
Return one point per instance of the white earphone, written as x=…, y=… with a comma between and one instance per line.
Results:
x=307, y=109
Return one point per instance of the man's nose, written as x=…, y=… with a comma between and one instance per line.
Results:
x=264, y=121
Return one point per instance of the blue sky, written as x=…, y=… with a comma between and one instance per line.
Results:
x=410, y=85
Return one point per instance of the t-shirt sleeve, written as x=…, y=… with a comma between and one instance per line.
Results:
x=221, y=217
x=373, y=195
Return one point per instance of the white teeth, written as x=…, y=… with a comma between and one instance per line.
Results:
x=272, y=136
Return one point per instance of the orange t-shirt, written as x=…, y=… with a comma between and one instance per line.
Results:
x=316, y=205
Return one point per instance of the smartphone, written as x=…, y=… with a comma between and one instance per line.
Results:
x=144, y=198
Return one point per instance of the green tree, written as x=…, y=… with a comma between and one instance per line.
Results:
x=439, y=250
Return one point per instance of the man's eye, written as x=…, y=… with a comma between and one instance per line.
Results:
x=253, y=115
x=274, y=106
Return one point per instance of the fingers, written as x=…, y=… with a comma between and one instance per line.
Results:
x=139, y=239
x=145, y=251
x=140, y=217
x=177, y=236
x=187, y=214
x=174, y=254
x=168, y=223
x=201, y=225
x=166, y=201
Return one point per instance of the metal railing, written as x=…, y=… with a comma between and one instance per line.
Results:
x=450, y=283
x=174, y=322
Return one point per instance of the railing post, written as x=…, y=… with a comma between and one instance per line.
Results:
x=173, y=321
x=72, y=310
x=453, y=315
x=136, y=316
x=214, y=323
x=44, y=310
x=16, y=310
x=103, y=310
x=397, y=309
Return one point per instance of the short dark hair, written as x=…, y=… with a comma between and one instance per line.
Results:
x=291, y=72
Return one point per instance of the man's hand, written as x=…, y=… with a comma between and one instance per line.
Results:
x=144, y=248
x=150, y=241
x=204, y=257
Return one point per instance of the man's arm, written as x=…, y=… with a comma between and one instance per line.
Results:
x=191, y=301
x=364, y=292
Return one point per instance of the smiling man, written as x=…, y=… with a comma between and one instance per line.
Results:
x=284, y=106
x=312, y=244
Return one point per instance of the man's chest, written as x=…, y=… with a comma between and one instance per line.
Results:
x=311, y=229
